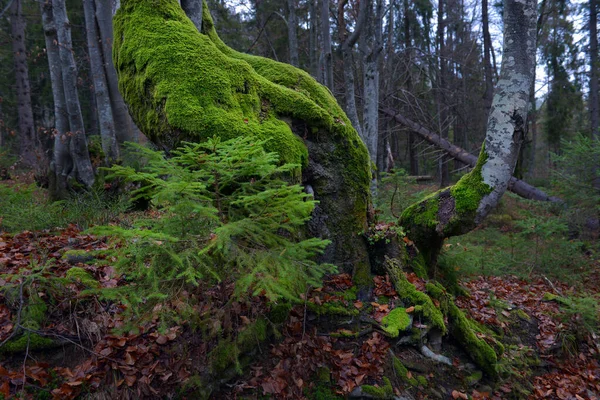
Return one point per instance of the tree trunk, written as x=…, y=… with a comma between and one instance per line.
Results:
x=412, y=151
x=292, y=22
x=460, y=208
x=594, y=71
x=27, y=133
x=78, y=145
x=61, y=167
x=326, y=39
x=443, y=125
x=103, y=105
x=487, y=62
x=313, y=40
x=126, y=130
x=193, y=9
x=371, y=49
x=348, y=43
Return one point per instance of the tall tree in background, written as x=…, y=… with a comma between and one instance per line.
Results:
x=27, y=133
x=458, y=209
x=71, y=157
x=102, y=96
x=487, y=62
x=327, y=55
x=292, y=23
x=348, y=40
x=443, y=124
x=193, y=9
x=594, y=72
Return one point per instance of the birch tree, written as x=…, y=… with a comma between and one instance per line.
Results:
x=458, y=209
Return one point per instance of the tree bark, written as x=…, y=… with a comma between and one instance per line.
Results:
x=78, y=145
x=61, y=167
x=27, y=133
x=594, y=68
x=348, y=43
x=487, y=62
x=193, y=9
x=103, y=105
x=460, y=208
x=371, y=47
x=313, y=38
x=292, y=22
x=326, y=39
x=126, y=130
x=412, y=151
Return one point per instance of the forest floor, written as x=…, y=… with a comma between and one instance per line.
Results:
x=77, y=343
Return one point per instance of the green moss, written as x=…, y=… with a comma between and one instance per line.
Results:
x=33, y=341
x=402, y=372
x=380, y=392
x=349, y=294
x=279, y=312
x=229, y=350
x=34, y=313
x=396, y=321
x=419, y=266
x=362, y=275
x=333, y=308
x=474, y=378
x=407, y=291
x=323, y=392
x=470, y=189
x=421, y=380
x=324, y=375
x=462, y=330
x=80, y=275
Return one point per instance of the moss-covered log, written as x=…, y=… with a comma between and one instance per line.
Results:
x=458, y=209
x=186, y=85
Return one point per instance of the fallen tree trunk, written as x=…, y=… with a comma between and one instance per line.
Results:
x=515, y=185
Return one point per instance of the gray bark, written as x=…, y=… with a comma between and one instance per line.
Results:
x=508, y=115
x=78, y=145
x=348, y=43
x=440, y=95
x=371, y=49
x=594, y=71
x=61, y=166
x=126, y=130
x=193, y=9
x=327, y=63
x=103, y=106
x=292, y=22
x=27, y=133
x=313, y=38
x=487, y=62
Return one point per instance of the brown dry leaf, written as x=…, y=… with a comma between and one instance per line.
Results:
x=5, y=389
x=410, y=309
x=459, y=395
x=161, y=339
x=358, y=304
x=130, y=380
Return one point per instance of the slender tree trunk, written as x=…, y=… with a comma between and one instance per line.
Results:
x=412, y=151
x=458, y=209
x=61, y=167
x=371, y=49
x=78, y=144
x=193, y=9
x=487, y=62
x=292, y=22
x=313, y=38
x=444, y=175
x=326, y=38
x=27, y=133
x=125, y=128
x=594, y=71
x=348, y=43
x=101, y=95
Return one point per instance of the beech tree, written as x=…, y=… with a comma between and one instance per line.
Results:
x=458, y=209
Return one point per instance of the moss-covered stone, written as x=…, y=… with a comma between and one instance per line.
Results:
x=185, y=85
x=386, y=391
x=228, y=351
x=396, y=321
x=402, y=373
x=280, y=312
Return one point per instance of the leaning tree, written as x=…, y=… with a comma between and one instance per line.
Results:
x=185, y=84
